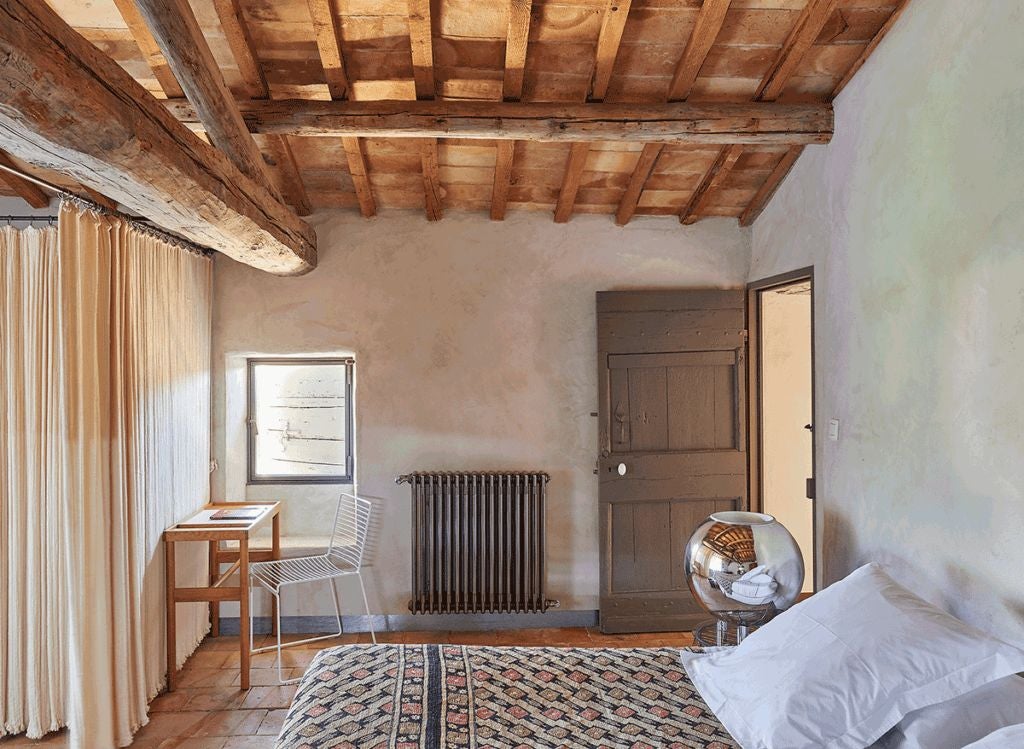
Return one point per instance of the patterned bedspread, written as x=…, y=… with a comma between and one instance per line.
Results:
x=440, y=696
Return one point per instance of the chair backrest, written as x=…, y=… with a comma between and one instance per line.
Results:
x=351, y=528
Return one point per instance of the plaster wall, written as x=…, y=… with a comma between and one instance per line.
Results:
x=475, y=349
x=913, y=217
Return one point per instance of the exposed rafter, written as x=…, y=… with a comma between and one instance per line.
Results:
x=516, y=42
x=327, y=42
x=705, y=31
x=24, y=189
x=806, y=29
x=574, y=167
x=291, y=180
x=631, y=197
x=176, y=30
x=149, y=48
x=360, y=179
x=714, y=177
x=614, y=22
x=704, y=124
x=68, y=107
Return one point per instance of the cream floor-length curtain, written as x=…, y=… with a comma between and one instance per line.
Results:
x=126, y=401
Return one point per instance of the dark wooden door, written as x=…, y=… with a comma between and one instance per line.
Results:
x=672, y=379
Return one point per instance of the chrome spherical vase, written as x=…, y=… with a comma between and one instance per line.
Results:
x=743, y=568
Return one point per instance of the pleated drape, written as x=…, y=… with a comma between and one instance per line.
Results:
x=127, y=323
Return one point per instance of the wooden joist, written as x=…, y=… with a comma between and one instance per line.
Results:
x=360, y=179
x=236, y=31
x=421, y=38
x=872, y=45
x=24, y=189
x=764, y=194
x=149, y=48
x=291, y=180
x=705, y=31
x=612, y=25
x=431, y=180
x=714, y=176
x=176, y=30
x=571, y=181
x=715, y=124
x=502, y=178
x=66, y=106
x=644, y=166
x=516, y=41
x=806, y=29
x=326, y=29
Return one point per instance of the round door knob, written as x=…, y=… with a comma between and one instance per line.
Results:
x=621, y=469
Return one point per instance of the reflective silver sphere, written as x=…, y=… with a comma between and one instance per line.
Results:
x=743, y=567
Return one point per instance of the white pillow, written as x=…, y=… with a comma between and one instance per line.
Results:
x=843, y=667
x=1004, y=738
x=956, y=723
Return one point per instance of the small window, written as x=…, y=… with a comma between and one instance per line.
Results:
x=300, y=421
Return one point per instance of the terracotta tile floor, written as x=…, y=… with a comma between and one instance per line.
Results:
x=208, y=711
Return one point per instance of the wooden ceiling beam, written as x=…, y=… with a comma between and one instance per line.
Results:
x=421, y=38
x=236, y=30
x=806, y=29
x=713, y=177
x=360, y=179
x=612, y=25
x=771, y=184
x=176, y=30
x=66, y=106
x=574, y=167
x=502, y=178
x=24, y=189
x=516, y=42
x=751, y=123
x=631, y=197
x=149, y=48
x=328, y=42
x=702, y=38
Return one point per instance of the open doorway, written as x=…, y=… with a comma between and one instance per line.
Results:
x=782, y=388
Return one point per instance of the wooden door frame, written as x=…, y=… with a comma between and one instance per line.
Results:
x=755, y=413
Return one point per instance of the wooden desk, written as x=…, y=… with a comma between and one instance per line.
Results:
x=200, y=527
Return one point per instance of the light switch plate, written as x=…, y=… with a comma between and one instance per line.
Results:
x=833, y=429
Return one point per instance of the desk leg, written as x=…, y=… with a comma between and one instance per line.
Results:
x=214, y=605
x=243, y=609
x=275, y=553
x=172, y=632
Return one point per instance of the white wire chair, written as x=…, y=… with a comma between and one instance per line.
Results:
x=344, y=557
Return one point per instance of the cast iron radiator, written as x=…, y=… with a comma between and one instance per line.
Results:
x=478, y=542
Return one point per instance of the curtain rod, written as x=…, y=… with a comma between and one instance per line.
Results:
x=138, y=224
x=28, y=219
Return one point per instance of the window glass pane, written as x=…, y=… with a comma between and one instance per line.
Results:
x=300, y=413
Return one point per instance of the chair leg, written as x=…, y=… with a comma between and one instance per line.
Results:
x=366, y=605
x=337, y=606
x=277, y=620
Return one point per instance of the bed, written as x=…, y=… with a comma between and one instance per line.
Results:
x=407, y=696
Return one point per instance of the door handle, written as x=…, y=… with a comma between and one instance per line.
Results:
x=619, y=469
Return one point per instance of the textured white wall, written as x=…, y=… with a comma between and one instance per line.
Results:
x=475, y=348
x=914, y=219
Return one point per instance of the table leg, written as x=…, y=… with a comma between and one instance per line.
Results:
x=275, y=553
x=214, y=605
x=172, y=632
x=243, y=609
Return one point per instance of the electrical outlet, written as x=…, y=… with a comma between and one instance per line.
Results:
x=833, y=430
